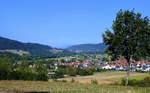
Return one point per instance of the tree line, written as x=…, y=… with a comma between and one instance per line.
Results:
x=11, y=69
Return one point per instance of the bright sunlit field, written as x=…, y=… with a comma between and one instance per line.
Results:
x=81, y=85
x=64, y=87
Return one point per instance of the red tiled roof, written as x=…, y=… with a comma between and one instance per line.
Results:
x=124, y=62
x=71, y=63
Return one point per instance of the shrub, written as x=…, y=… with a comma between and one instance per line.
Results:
x=133, y=82
x=146, y=82
x=63, y=80
x=71, y=71
x=84, y=72
x=146, y=79
x=22, y=75
x=94, y=81
x=123, y=81
x=55, y=80
x=41, y=76
x=143, y=83
x=58, y=74
x=72, y=80
x=103, y=70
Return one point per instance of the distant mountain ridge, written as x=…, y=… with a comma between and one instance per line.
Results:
x=19, y=45
x=40, y=50
x=88, y=47
x=33, y=48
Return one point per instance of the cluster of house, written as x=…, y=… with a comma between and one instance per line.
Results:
x=85, y=64
x=123, y=65
x=115, y=65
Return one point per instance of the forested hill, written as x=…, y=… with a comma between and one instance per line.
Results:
x=33, y=48
x=88, y=47
x=39, y=50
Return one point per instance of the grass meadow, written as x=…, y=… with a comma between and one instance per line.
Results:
x=66, y=86
x=138, y=77
x=105, y=78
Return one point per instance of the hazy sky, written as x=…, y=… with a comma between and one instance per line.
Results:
x=61, y=23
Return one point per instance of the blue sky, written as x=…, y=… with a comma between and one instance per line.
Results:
x=60, y=23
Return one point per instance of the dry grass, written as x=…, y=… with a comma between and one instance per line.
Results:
x=85, y=86
x=102, y=78
x=64, y=87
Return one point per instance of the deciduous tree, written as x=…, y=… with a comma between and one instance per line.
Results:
x=129, y=37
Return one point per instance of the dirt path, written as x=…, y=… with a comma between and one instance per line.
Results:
x=102, y=78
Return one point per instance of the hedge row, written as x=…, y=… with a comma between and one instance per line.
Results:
x=142, y=83
x=16, y=75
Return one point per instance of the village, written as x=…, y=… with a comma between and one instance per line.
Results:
x=102, y=62
x=75, y=46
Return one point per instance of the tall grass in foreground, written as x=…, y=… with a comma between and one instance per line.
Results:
x=67, y=87
x=100, y=90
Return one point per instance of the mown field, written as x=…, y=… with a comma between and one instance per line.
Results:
x=13, y=86
x=137, y=77
x=105, y=78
